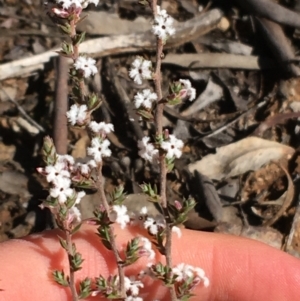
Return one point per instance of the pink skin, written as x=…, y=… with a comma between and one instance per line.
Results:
x=238, y=269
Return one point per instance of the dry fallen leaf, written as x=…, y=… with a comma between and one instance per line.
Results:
x=237, y=158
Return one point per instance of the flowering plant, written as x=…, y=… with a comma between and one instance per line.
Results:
x=67, y=177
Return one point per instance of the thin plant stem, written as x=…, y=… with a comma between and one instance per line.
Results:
x=60, y=123
x=75, y=56
x=71, y=271
x=163, y=167
x=100, y=186
x=60, y=136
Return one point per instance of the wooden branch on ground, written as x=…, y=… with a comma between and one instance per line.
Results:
x=105, y=46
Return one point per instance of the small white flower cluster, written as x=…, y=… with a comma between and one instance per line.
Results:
x=59, y=175
x=145, y=99
x=99, y=144
x=188, y=90
x=99, y=149
x=172, y=147
x=147, y=248
x=147, y=150
x=85, y=168
x=184, y=272
x=157, y=224
x=66, y=8
x=78, y=114
x=163, y=25
x=119, y=215
x=132, y=287
x=66, y=4
x=101, y=128
x=140, y=70
x=86, y=65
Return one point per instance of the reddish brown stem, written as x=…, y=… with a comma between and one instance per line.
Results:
x=60, y=124
x=75, y=56
x=71, y=272
x=163, y=167
x=100, y=186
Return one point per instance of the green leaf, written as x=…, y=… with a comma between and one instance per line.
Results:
x=71, y=200
x=65, y=28
x=83, y=183
x=76, y=228
x=103, y=233
x=145, y=114
x=131, y=252
x=76, y=261
x=151, y=192
x=49, y=151
x=85, y=288
x=118, y=195
x=93, y=102
x=63, y=243
x=79, y=38
x=67, y=48
x=101, y=283
x=59, y=277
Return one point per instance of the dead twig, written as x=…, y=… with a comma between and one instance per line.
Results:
x=219, y=60
x=226, y=126
x=23, y=113
x=278, y=43
x=126, y=102
x=272, y=11
x=274, y=120
x=287, y=200
x=105, y=46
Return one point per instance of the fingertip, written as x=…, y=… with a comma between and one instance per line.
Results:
x=238, y=268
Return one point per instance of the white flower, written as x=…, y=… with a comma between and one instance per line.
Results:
x=188, y=90
x=55, y=171
x=120, y=216
x=68, y=3
x=86, y=65
x=85, y=3
x=74, y=214
x=145, y=99
x=101, y=127
x=147, y=150
x=153, y=226
x=133, y=286
x=85, y=168
x=161, y=12
x=185, y=271
x=77, y=114
x=82, y=168
x=62, y=190
x=92, y=164
x=99, y=149
x=177, y=231
x=147, y=247
x=94, y=1
x=140, y=70
x=133, y=298
x=173, y=147
x=163, y=25
x=66, y=159
x=79, y=196
x=200, y=276
x=144, y=211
